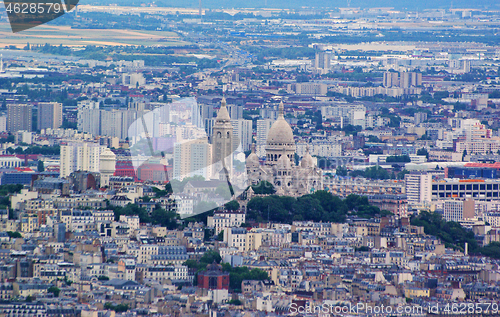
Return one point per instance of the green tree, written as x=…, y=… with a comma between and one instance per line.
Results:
x=401, y=175
x=492, y=250
x=242, y=273
x=54, y=290
x=233, y=205
x=398, y=159
x=40, y=166
x=374, y=139
x=120, y=308
x=164, y=218
x=14, y=234
x=423, y=151
x=341, y=171
x=352, y=130
x=223, y=191
x=452, y=234
x=263, y=188
x=362, y=249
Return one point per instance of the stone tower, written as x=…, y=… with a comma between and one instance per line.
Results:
x=107, y=162
x=222, y=140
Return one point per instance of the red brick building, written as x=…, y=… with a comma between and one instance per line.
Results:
x=152, y=172
x=213, y=278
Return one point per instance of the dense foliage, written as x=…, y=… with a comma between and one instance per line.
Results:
x=377, y=172
x=5, y=192
x=423, y=151
x=44, y=150
x=453, y=235
x=263, y=188
x=320, y=206
x=163, y=192
x=14, y=234
x=233, y=205
x=54, y=290
x=120, y=308
x=241, y=273
x=398, y=159
x=159, y=216
x=208, y=258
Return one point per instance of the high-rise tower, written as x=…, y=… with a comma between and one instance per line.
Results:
x=19, y=117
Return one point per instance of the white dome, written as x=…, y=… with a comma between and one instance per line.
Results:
x=284, y=162
x=307, y=160
x=107, y=154
x=253, y=160
x=280, y=133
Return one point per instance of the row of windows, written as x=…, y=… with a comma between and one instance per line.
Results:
x=487, y=194
x=466, y=187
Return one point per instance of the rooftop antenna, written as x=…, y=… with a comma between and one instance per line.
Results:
x=199, y=8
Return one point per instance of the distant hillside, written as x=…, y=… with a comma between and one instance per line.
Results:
x=295, y=4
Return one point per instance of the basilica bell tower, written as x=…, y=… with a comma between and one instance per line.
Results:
x=222, y=143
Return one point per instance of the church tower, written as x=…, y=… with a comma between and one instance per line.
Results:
x=222, y=141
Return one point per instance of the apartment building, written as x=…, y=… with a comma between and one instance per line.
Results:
x=458, y=210
x=226, y=219
x=418, y=188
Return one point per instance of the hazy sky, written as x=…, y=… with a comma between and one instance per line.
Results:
x=411, y=4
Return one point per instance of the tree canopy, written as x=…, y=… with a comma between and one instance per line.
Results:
x=453, y=235
x=398, y=159
x=159, y=216
x=263, y=188
x=320, y=206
